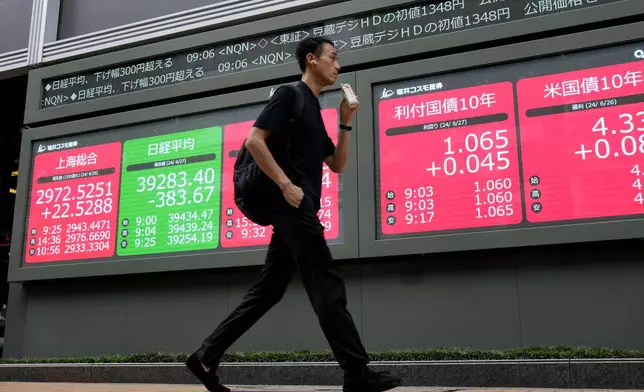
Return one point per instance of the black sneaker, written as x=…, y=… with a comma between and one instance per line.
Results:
x=208, y=379
x=368, y=380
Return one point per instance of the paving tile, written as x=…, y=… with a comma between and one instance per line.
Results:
x=77, y=387
x=71, y=387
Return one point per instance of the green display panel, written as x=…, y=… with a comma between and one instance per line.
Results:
x=170, y=193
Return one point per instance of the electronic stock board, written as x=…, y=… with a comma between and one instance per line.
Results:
x=160, y=189
x=455, y=153
x=364, y=31
x=545, y=150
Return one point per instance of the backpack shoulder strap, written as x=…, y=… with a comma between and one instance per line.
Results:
x=299, y=101
x=296, y=112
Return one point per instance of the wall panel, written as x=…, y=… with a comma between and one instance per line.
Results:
x=499, y=299
x=78, y=17
x=15, y=17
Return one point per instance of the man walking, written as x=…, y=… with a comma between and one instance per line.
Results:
x=291, y=155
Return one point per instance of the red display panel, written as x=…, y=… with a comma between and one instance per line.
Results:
x=329, y=212
x=582, y=143
x=448, y=160
x=237, y=230
x=73, y=205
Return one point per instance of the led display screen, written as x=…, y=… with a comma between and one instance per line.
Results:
x=401, y=23
x=239, y=230
x=542, y=142
x=590, y=126
x=159, y=188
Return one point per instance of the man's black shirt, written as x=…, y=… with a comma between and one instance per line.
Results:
x=299, y=148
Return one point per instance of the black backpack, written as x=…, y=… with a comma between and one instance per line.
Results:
x=251, y=184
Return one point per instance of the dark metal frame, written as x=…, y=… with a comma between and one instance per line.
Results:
x=34, y=114
x=18, y=271
x=578, y=232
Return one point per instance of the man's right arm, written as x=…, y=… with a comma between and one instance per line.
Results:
x=271, y=121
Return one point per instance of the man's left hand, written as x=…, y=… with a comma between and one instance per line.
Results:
x=346, y=112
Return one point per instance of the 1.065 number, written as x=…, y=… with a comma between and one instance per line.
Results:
x=494, y=211
x=473, y=142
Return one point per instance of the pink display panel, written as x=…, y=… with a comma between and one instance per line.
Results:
x=237, y=230
x=582, y=143
x=73, y=206
x=330, y=198
x=448, y=160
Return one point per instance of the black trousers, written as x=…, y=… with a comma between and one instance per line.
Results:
x=297, y=243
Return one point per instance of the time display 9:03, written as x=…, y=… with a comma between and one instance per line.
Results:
x=419, y=200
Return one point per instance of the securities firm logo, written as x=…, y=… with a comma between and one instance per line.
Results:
x=386, y=93
x=415, y=89
x=55, y=147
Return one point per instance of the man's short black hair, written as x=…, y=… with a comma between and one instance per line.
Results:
x=310, y=45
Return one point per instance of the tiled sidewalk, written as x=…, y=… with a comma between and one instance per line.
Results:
x=60, y=387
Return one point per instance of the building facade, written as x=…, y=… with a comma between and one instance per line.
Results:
x=493, y=197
